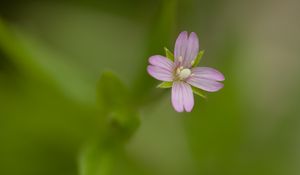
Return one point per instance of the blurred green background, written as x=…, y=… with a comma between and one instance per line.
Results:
x=59, y=115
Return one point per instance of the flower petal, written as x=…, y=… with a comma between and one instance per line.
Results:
x=188, y=97
x=161, y=61
x=192, y=49
x=205, y=84
x=182, y=97
x=177, y=101
x=180, y=45
x=207, y=73
x=160, y=73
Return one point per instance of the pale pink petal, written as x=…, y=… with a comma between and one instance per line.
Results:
x=161, y=61
x=180, y=45
x=188, y=97
x=182, y=97
x=207, y=73
x=177, y=100
x=160, y=73
x=192, y=49
x=205, y=84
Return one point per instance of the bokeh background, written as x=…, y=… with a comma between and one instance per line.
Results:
x=54, y=122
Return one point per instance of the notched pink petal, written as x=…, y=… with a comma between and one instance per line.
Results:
x=188, y=97
x=205, y=84
x=192, y=49
x=161, y=61
x=182, y=97
x=180, y=45
x=160, y=73
x=177, y=101
x=208, y=73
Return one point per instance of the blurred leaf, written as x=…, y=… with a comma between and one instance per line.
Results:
x=116, y=104
x=165, y=85
x=96, y=159
x=39, y=62
x=121, y=122
x=169, y=54
x=199, y=92
x=111, y=91
x=198, y=58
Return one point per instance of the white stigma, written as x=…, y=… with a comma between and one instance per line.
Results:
x=184, y=73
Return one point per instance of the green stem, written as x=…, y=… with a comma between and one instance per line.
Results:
x=159, y=37
x=116, y=102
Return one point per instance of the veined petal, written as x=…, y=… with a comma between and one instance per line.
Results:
x=207, y=73
x=205, y=84
x=188, y=97
x=161, y=61
x=192, y=49
x=182, y=97
x=160, y=73
x=177, y=100
x=180, y=46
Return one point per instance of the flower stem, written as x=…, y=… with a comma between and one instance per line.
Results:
x=159, y=37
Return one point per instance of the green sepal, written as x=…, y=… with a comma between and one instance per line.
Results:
x=199, y=92
x=169, y=54
x=165, y=85
x=198, y=58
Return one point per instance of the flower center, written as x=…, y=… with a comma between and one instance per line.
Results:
x=183, y=73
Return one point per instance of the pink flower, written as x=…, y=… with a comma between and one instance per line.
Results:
x=178, y=72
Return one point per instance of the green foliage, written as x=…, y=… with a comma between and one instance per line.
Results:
x=199, y=92
x=121, y=121
x=35, y=60
x=165, y=85
x=117, y=105
x=198, y=58
x=169, y=54
x=96, y=159
x=48, y=80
